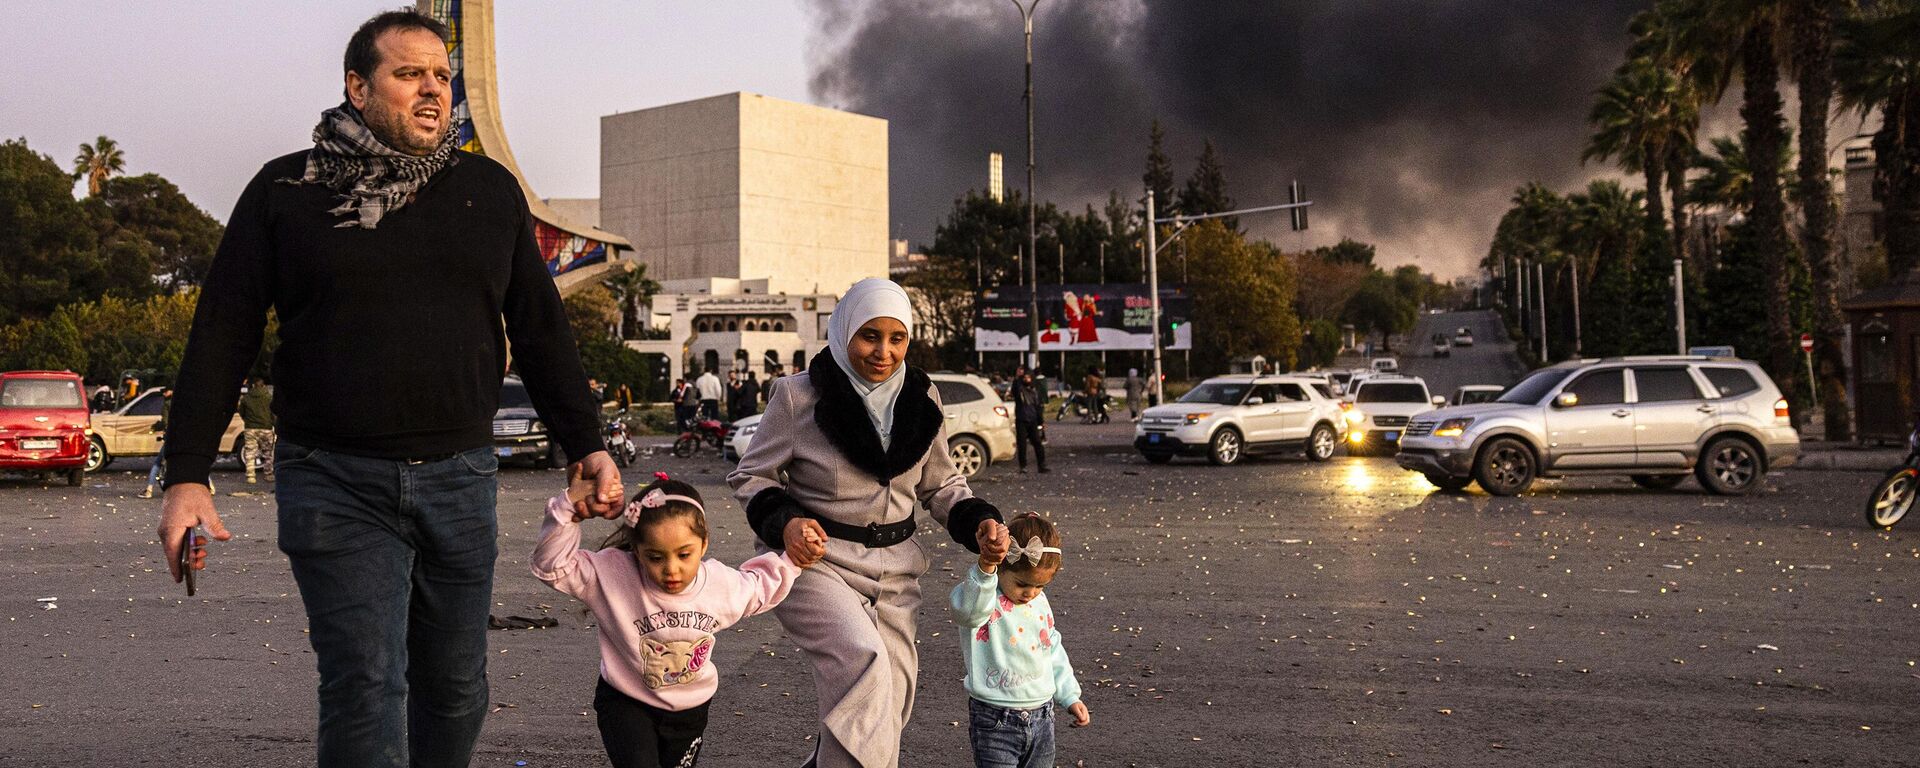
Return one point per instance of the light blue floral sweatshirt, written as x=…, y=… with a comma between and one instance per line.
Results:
x=1014, y=655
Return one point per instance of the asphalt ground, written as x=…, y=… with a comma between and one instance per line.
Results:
x=1275, y=612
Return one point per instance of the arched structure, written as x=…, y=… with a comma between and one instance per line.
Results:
x=576, y=254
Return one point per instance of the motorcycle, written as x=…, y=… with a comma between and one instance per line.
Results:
x=620, y=443
x=709, y=432
x=1895, y=494
x=1080, y=405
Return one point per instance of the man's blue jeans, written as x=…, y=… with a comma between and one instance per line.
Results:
x=395, y=564
x=1010, y=738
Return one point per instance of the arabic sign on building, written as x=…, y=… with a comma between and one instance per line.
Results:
x=1083, y=317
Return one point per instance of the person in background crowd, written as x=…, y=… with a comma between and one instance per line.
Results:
x=710, y=391
x=256, y=433
x=734, y=406
x=159, y=467
x=623, y=398
x=1096, y=393
x=1136, y=393
x=749, y=402
x=684, y=401
x=1029, y=419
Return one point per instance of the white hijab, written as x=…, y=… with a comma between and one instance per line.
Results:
x=866, y=300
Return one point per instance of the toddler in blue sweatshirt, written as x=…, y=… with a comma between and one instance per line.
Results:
x=1017, y=668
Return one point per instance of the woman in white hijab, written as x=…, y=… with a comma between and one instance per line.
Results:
x=843, y=456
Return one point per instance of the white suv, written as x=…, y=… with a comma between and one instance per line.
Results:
x=1654, y=419
x=979, y=426
x=1228, y=417
x=1383, y=405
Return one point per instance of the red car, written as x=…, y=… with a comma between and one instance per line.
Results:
x=43, y=423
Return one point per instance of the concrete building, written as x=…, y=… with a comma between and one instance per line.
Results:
x=1860, y=239
x=753, y=213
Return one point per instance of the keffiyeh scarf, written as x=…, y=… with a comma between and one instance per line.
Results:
x=372, y=178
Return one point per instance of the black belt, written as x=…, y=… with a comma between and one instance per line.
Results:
x=873, y=535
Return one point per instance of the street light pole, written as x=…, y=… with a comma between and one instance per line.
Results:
x=1153, y=291
x=1033, y=240
x=1679, y=307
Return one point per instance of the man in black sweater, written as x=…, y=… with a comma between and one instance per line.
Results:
x=400, y=268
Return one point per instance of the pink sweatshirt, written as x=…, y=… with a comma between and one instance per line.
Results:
x=656, y=646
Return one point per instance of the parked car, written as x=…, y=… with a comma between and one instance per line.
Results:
x=1440, y=346
x=1384, y=365
x=128, y=432
x=43, y=423
x=1384, y=405
x=979, y=424
x=1655, y=419
x=1463, y=337
x=1228, y=417
x=518, y=432
x=1476, y=393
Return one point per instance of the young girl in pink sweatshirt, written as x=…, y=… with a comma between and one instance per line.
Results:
x=660, y=606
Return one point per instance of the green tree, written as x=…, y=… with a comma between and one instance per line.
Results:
x=1726, y=181
x=1379, y=307
x=1320, y=342
x=1243, y=299
x=1159, y=174
x=1206, y=190
x=1347, y=251
x=149, y=214
x=1604, y=228
x=614, y=364
x=52, y=344
x=591, y=313
x=1326, y=285
x=98, y=162
x=47, y=241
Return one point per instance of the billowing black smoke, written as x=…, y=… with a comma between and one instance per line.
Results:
x=1410, y=123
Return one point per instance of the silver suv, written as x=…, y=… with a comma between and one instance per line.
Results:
x=1654, y=419
x=1226, y=418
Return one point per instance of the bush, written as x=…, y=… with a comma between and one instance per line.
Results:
x=614, y=364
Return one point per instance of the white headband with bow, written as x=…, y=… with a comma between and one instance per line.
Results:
x=656, y=499
x=1033, y=551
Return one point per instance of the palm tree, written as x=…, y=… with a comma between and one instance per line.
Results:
x=1603, y=230
x=1640, y=118
x=1877, y=66
x=1694, y=44
x=631, y=289
x=1725, y=181
x=97, y=162
x=1811, y=64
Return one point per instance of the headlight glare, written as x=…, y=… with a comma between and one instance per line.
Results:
x=1452, y=427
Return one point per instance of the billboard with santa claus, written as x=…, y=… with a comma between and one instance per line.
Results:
x=1083, y=317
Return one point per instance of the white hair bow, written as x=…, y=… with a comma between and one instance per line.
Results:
x=655, y=499
x=1033, y=551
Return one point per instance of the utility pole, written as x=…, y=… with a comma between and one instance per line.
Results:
x=1033, y=247
x=1540, y=278
x=1679, y=307
x=1153, y=291
x=1574, y=266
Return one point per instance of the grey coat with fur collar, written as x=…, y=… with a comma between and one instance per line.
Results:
x=816, y=454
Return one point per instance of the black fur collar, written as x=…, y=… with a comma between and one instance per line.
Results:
x=842, y=417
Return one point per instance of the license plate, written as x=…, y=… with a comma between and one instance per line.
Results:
x=1153, y=438
x=1393, y=436
x=45, y=444
x=503, y=451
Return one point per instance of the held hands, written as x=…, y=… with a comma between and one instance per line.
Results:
x=994, y=542
x=593, y=485
x=1081, y=717
x=185, y=506
x=805, y=542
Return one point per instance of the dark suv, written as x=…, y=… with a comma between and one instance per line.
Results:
x=517, y=431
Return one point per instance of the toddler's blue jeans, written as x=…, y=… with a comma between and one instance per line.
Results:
x=1011, y=738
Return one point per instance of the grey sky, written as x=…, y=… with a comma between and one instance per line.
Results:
x=204, y=92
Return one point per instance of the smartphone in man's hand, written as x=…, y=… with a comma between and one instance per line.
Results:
x=186, y=560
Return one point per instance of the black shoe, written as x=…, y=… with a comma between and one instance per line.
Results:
x=1044, y=470
x=1023, y=470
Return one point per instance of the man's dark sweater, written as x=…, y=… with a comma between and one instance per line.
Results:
x=391, y=339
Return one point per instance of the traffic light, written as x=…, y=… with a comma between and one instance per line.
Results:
x=1299, y=215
